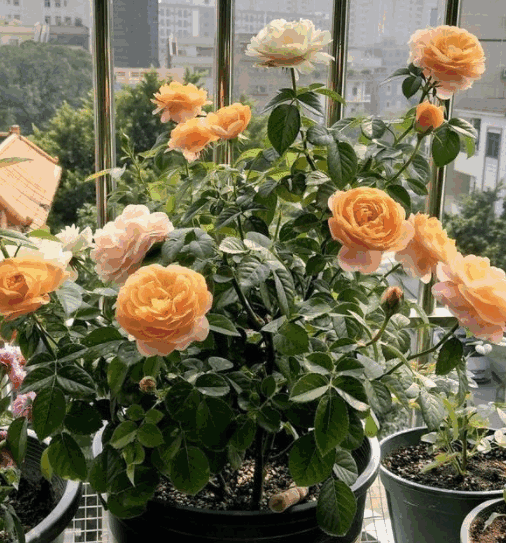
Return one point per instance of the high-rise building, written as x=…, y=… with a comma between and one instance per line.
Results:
x=49, y=12
x=135, y=33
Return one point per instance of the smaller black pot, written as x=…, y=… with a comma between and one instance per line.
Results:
x=68, y=493
x=487, y=507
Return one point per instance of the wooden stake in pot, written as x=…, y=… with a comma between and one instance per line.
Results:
x=283, y=500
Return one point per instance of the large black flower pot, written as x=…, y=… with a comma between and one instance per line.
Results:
x=296, y=525
x=487, y=508
x=423, y=513
x=68, y=494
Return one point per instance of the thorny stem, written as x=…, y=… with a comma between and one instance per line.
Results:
x=256, y=321
x=379, y=332
x=45, y=336
x=258, y=476
x=410, y=159
x=4, y=250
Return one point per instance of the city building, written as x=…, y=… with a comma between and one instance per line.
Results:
x=135, y=33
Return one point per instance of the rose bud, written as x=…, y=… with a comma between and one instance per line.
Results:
x=392, y=300
x=148, y=384
x=428, y=117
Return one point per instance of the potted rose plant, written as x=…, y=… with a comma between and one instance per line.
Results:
x=235, y=326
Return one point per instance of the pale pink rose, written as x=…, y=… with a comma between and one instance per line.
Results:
x=123, y=243
x=450, y=55
x=22, y=405
x=12, y=359
x=475, y=292
x=6, y=460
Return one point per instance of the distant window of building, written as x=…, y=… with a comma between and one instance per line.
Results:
x=47, y=19
x=58, y=21
x=493, y=145
x=354, y=91
x=57, y=4
x=17, y=16
x=47, y=3
x=15, y=2
x=477, y=126
x=13, y=41
x=389, y=89
x=79, y=21
x=68, y=21
x=433, y=17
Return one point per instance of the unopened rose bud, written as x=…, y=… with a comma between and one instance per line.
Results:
x=392, y=300
x=148, y=384
x=428, y=117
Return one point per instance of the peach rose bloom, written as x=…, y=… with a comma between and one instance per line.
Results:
x=25, y=284
x=475, y=292
x=367, y=222
x=428, y=116
x=295, y=44
x=179, y=102
x=191, y=138
x=450, y=55
x=429, y=245
x=164, y=308
x=228, y=122
x=123, y=243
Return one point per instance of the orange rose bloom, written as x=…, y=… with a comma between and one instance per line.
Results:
x=191, y=138
x=475, y=292
x=429, y=245
x=179, y=102
x=367, y=222
x=450, y=55
x=428, y=116
x=164, y=308
x=25, y=284
x=228, y=122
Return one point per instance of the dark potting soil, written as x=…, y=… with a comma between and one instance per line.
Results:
x=33, y=501
x=239, y=485
x=485, y=471
x=495, y=533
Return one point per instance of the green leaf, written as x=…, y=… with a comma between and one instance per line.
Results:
x=244, y=434
x=469, y=145
x=101, y=335
x=450, y=356
x=463, y=127
x=397, y=73
x=307, y=466
x=213, y=418
x=149, y=435
x=331, y=422
x=135, y=412
x=336, y=508
x=319, y=135
x=48, y=411
x=311, y=100
x=309, y=387
x=342, y=163
x=345, y=467
x=331, y=94
x=70, y=296
x=74, y=380
x=417, y=186
x=82, y=419
x=283, y=127
x=399, y=193
x=124, y=434
x=284, y=95
x=105, y=468
x=233, y=246
x=319, y=363
x=352, y=391
x=116, y=374
x=285, y=289
x=252, y=272
x=212, y=384
x=433, y=409
x=411, y=85
x=380, y=398
x=420, y=168
x=291, y=339
x=221, y=325
x=17, y=439
x=67, y=458
x=182, y=401
x=189, y=470
x=445, y=146
x=373, y=128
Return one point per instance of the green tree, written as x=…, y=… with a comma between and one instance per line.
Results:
x=36, y=78
x=476, y=228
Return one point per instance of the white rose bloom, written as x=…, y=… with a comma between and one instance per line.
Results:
x=75, y=241
x=293, y=44
x=50, y=251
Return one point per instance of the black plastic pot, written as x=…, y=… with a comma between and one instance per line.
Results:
x=487, y=507
x=68, y=493
x=423, y=513
x=296, y=525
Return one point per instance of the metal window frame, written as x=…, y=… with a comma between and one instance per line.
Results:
x=104, y=101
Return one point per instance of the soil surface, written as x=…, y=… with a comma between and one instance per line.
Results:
x=239, y=488
x=485, y=471
x=33, y=501
x=495, y=533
